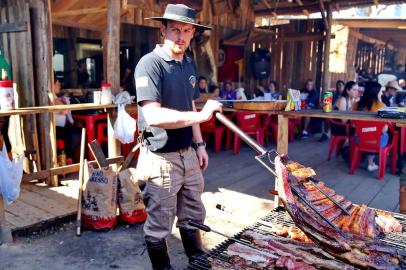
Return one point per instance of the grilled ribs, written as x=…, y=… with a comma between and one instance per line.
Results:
x=362, y=221
x=306, y=253
x=349, y=243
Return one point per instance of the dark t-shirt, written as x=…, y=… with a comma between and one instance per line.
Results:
x=162, y=79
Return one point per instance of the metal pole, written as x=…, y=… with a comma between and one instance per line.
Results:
x=247, y=139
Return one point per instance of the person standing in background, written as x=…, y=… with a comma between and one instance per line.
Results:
x=82, y=74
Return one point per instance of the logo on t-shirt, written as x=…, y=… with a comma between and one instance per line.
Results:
x=192, y=80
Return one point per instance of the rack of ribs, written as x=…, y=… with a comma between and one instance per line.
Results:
x=362, y=219
x=352, y=241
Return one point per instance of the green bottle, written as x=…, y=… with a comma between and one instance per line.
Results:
x=4, y=66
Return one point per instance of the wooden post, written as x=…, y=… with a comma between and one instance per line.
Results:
x=326, y=58
x=282, y=147
x=113, y=67
x=43, y=48
x=5, y=232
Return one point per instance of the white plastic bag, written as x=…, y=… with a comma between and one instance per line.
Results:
x=11, y=172
x=125, y=126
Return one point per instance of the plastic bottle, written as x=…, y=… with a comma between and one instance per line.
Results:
x=5, y=68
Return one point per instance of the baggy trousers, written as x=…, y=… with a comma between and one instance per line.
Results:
x=174, y=187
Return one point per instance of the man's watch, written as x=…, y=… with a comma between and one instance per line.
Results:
x=197, y=144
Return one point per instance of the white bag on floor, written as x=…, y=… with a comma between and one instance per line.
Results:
x=125, y=126
x=11, y=172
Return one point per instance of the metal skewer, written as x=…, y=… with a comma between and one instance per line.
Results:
x=313, y=208
x=311, y=179
x=329, y=197
x=259, y=149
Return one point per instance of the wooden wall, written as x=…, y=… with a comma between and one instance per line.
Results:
x=296, y=55
x=15, y=45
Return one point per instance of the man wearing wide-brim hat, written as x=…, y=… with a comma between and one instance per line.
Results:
x=394, y=95
x=166, y=89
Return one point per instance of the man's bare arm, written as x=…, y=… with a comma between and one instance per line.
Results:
x=157, y=116
x=197, y=134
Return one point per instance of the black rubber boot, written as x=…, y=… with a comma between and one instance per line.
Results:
x=158, y=254
x=192, y=243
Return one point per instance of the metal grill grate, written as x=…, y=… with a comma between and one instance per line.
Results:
x=281, y=217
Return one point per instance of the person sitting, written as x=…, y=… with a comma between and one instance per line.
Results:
x=65, y=129
x=340, y=84
x=269, y=93
x=345, y=103
x=214, y=92
x=310, y=96
x=228, y=92
x=202, y=82
x=393, y=95
x=371, y=102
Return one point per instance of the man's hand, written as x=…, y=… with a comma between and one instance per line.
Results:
x=209, y=108
x=202, y=157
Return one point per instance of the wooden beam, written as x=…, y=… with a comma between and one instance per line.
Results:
x=64, y=170
x=42, y=25
x=323, y=15
x=113, y=68
x=326, y=72
x=77, y=25
x=305, y=11
x=360, y=23
x=13, y=27
x=282, y=145
x=76, y=12
x=56, y=108
x=371, y=40
x=266, y=4
x=98, y=154
x=124, y=4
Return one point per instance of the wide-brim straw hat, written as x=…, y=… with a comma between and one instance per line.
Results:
x=180, y=13
x=394, y=85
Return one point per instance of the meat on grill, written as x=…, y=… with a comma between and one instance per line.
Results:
x=358, y=250
x=362, y=221
x=307, y=253
x=292, y=232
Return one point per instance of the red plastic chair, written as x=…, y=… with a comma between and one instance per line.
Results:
x=250, y=123
x=338, y=141
x=369, y=134
x=101, y=133
x=402, y=140
x=210, y=127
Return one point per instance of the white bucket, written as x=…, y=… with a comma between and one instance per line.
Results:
x=6, y=95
